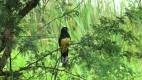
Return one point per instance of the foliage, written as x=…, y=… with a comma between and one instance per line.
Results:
x=101, y=50
x=106, y=45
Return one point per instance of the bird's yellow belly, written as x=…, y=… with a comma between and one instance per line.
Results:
x=65, y=44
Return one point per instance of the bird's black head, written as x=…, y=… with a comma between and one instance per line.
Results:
x=64, y=30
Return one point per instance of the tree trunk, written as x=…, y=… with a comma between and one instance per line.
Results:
x=8, y=32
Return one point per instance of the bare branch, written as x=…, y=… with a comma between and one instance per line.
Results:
x=30, y=5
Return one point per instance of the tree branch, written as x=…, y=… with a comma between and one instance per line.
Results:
x=41, y=58
x=8, y=47
x=65, y=14
x=30, y=5
x=50, y=53
x=46, y=67
x=17, y=73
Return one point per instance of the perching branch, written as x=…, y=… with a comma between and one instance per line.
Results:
x=30, y=66
x=41, y=58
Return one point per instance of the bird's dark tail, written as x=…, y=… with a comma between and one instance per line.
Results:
x=64, y=58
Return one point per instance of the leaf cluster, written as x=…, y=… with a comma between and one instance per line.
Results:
x=101, y=49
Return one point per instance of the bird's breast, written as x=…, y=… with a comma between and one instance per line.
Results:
x=65, y=44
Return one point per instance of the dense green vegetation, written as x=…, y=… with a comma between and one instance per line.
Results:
x=105, y=39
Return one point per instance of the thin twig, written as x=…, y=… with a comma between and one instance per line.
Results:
x=50, y=53
x=56, y=65
x=45, y=36
x=67, y=13
x=46, y=67
x=45, y=4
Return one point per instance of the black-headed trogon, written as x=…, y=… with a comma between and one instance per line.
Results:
x=64, y=41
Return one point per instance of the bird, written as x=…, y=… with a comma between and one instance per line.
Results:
x=64, y=42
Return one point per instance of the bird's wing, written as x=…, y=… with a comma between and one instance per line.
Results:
x=59, y=41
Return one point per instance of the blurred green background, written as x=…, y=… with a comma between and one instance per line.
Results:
x=106, y=40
